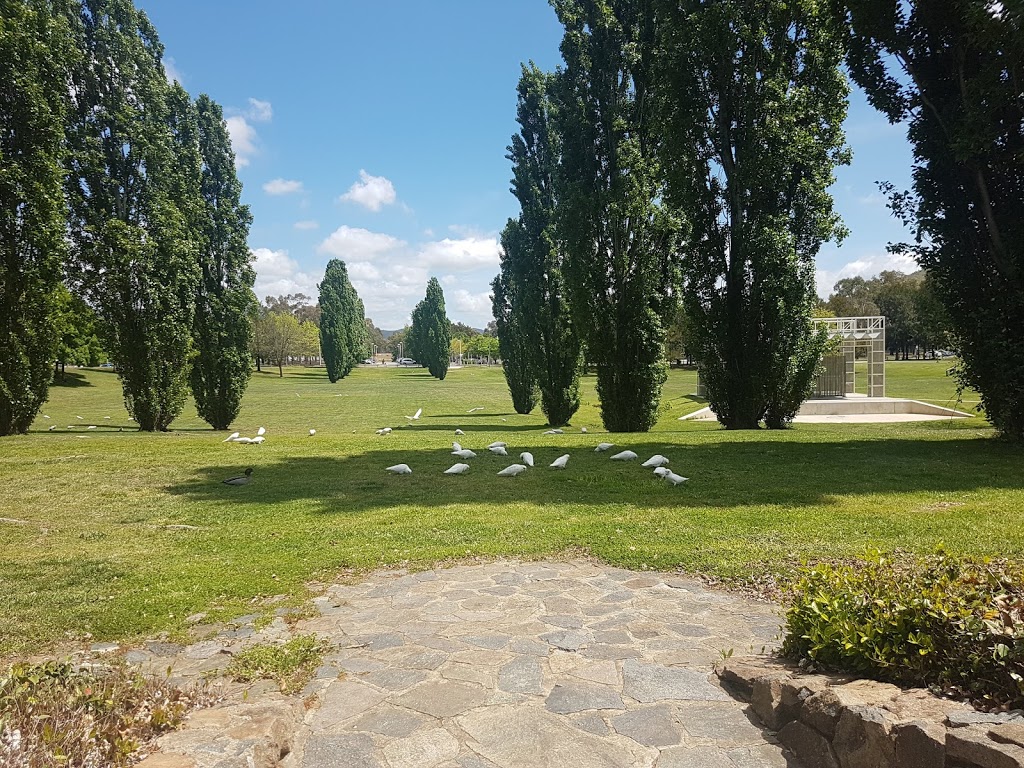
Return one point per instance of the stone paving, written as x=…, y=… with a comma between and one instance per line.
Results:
x=529, y=664
x=534, y=664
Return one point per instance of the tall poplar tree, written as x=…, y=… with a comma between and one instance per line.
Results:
x=343, y=337
x=753, y=102
x=532, y=264
x=953, y=71
x=132, y=225
x=430, y=336
x=621, y=242
x=225, y=303
x=35, y=48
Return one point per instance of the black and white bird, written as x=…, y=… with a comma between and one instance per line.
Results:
x=243, y=479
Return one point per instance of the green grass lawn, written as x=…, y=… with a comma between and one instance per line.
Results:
x=96, y=554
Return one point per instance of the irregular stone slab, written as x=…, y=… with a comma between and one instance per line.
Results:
x=591, y=722
x=653, y=682
x=694, y=757
x=388, y=720
x=567, y=640
x=521, y=675
x=442, y=698
x=395, y=679
x=612, y=637
x=529, y=647
x=597, y=651
x=765, y=756
x=354, y=750
x=603, y=672
x=360, y=666
x=971, y=744
x=577, y=697
x=526, y=736
x=810, y=746
x=724, y=723
x=423, y=750
x=690, y=630
x=650, y=726
x=342, y=701
x=493, y=642
x=377, y=642
x=469, y=673
x=565, y=622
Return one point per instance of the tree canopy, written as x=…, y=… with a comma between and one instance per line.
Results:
x=953, y=71
x=35, y=46
x=343, y=332
x=430, y=336
x=751, y=108
x=621, y=243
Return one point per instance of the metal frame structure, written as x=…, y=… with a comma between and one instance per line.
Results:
x=860, y=332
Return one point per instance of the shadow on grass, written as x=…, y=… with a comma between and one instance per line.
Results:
x=722, y=474
x=72, y=380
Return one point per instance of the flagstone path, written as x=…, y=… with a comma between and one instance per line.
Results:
x=511, y=664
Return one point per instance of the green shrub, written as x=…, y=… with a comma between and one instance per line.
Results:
x=943, y=622
x=54, y=714
x=291, y=664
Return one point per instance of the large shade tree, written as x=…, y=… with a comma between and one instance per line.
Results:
x=430, y=336
x=752, y=107
x=35, y=46
x=515, y=339
x=953, y=71
x=620, y=241
x=225, y=303
x=530, y=302
x=133, y=189
x=343, y=334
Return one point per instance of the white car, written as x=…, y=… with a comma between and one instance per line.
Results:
x=407, y=361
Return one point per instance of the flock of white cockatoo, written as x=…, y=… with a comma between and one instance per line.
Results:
x=500, y=448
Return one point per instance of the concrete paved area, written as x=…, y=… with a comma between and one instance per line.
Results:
x=531, y=664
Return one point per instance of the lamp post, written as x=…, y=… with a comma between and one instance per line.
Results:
x=401, y=351
x=460, y=350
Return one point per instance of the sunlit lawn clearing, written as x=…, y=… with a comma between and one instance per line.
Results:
x=96, y=555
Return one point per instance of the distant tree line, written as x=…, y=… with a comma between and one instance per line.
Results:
x=121, y=227
x=681, y=158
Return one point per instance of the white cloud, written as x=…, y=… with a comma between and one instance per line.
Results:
x=866, y=266
x=172, y=72
x=282, y=187
x=363, y=270
x=305, y=225
x=371, y=192
x=461, y=255
x=448, y=279
x=355, y=244
x=260, y=111
x=277, y=274
x=476, y=304
x=243, y=139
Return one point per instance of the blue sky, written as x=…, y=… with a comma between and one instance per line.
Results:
x=375, y=132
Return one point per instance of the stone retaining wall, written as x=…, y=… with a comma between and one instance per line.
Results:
x=832, y=722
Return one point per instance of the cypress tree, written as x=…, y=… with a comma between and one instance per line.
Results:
x=530, y=291
x=430, y=337
x=133, y=190
x=342, y=325
x=225, y=302
x=35, y=43
x=621, y=242
x=513, y=327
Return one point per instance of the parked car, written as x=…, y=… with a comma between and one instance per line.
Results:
x=406, y=361
x=369, y=361
x=106, y=365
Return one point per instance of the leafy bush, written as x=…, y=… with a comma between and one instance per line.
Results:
x=54, y=714
x=291, y=664
x=940, y=621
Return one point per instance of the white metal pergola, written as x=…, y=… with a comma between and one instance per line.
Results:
x=868, y=332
